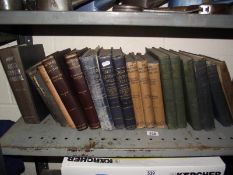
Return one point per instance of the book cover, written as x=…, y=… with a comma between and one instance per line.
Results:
x=122, y=82
x=90, y=67
x=109, y=81
x=167, y=86
x=15, y=61
x=135, y=90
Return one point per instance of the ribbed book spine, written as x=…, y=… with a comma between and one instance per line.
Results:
x=91, y=71
x=81, y=90
x=123, y=87
x=108, y=76
x=45, y=94
x=222, y=113
x=59, y=82
x=135, y=89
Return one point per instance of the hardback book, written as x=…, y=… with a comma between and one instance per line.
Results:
x=81, y=89
x=90, y=67
x=177, y=78
x=190, y=92
x=45, y=94
x=122, y=82
x=225, y=80
x=221, y=110
x=203, y=90
x=167, y=86
x=135, y=90
x=52, y=90
x=15, y=61
x=145, y=90
x=64, y=91
x=109, y=80
x=156, y=91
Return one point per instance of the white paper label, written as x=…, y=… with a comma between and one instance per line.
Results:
x=152, y=133
x=106, y=63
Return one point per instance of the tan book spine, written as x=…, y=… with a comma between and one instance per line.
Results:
x=136, y=93
x=156, y=94
x=54, y=93
x=146, y=92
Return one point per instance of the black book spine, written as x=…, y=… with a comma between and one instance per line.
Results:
x=124, y=91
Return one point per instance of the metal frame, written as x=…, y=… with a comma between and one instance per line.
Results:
x=2, y=163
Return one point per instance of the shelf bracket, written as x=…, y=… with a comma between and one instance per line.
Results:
x=25, y=40
x=41, y=165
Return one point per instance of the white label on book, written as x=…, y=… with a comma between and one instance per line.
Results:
x=106, y=63
x=152, y=133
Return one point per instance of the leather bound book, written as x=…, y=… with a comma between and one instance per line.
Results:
x=45, y=94
x=178, y=87
x=122, y=82
x=109, y=80
x=225, y=80
x=156, y=91
x=203, y=90
x=81, y=89
x=59, y=82
x=135, y=89
x=15, y=61
x=190, y=92
x=222, y=112
x=145, y=90
x=52, y=90
x=167, y=86
x=89, y=64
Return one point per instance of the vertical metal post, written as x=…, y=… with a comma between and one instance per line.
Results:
x=2, y=163
x=41, y=164
x=25, y=40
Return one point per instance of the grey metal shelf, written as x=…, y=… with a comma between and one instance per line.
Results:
x=49, y=139
x=115, y=18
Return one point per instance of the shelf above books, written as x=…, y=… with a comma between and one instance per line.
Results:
x=50, y=139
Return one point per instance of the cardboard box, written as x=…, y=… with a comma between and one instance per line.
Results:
x=143, y=166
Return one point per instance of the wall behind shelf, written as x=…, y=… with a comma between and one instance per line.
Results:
x=218, y=48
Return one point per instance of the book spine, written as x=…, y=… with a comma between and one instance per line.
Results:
x=204, y=95
x=91, y=71
x=124, y=92
x=178, y=92
x=222, y=113
x=44, y=75
x=156, y=94
x=108, y=76
x=45, y=94
x=136, y=93
x=20, y=88
x=168, y=92
x=64, y=92
x=82, y=91
x=146, y=93
x=191, y=97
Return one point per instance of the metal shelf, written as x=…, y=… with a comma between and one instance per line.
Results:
x=115, y=18
x=49, y=139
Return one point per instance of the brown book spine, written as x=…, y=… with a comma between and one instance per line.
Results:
x=146, y=92
x=136, y=93
x=156, y=94
x=57, y=99
x=81, y=90
x=59, y=82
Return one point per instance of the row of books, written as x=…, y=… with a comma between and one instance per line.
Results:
x=108, y=89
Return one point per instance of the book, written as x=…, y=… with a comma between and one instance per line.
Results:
x=221, y=110
x=190, y=92
x=225, y=80
x=61, y=85
x=156, y=91
x=167, y=86
x=44, y=75
x=135, y=90
x=109, y=81
x=122, y=82
x=203, y=90
x=145, y=90
x=15, y=61
x=81, y=89
x=177, y=78
x=90, y=67
x=45, y=94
